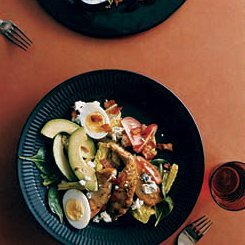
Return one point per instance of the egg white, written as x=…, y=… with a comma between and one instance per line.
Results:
x=89, y=108
x=79, y=196
x=93, y=2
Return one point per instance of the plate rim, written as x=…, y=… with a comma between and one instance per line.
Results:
x=108, y=34
x=64, y=83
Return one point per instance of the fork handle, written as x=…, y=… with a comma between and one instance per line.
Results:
x=1, y=22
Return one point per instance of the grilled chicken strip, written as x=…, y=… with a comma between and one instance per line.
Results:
x=122, y=196
x=100, y=198
x=150, y=199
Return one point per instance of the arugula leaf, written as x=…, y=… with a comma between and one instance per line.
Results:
x=40, y=161
x=163, y=209
x=53, y=202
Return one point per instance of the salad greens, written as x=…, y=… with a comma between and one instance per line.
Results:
x=121, y=155
x=49, y=179
x=40, y=160
x=169, y=173
x=143, y=213
x=163, y=209
x=53, y=202
x=42, y=165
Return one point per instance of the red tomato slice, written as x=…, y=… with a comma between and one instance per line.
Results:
x=144, y=166
x=133, y=129
x=138, y=134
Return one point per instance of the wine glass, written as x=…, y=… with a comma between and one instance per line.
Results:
x=227, y=185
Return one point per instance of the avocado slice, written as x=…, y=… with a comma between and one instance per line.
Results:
x=78, y=142
x=56, y=126
x=61, y=159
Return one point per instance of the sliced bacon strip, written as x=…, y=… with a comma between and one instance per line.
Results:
x=165, y=146
x=109, y=103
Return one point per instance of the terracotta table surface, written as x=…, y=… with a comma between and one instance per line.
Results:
x=198, y=53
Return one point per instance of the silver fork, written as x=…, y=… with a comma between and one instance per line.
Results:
x=193, y=232
x=13, y=33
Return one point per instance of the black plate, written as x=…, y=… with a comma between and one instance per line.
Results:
x=149, y=102
x=114, y=22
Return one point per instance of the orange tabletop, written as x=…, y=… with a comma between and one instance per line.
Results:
x=198, y=53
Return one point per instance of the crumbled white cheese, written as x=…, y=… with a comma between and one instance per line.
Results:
x=105, y=216
x=89, y=195
x=87, y=178
x=149, y=185
x=78, y=105
x=102, y=216
x=137, y=204
x=117, y=133
x=91, y=164
x=96, y=219
x=82, y=182
x=116, y=187
x=149, y=188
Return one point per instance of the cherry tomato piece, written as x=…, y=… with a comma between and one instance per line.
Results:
x=144, y=166
x=133, y=130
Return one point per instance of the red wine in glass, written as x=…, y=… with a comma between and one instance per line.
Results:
x=227, y=185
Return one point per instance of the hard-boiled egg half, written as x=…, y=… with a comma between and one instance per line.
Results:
x=76, y=208
x=93, y=2
x=93, y=117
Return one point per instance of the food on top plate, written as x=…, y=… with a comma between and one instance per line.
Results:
x=107, y=166
x=108, y=3
x=93, y=2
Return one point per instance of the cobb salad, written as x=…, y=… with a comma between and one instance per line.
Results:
x=103, y=166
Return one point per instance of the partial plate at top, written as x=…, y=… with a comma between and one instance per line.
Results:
x=125, y=19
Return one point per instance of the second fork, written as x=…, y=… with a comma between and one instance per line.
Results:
x=14, y=34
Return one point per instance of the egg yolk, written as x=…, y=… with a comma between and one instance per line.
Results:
x=74, y=209
x=94, y=121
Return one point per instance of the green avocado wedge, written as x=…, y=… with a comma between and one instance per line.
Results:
x=78, y=142
x=61, y=159
x=57, y=126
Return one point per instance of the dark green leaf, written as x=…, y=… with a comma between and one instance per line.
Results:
x=50, y=179
x=160, y=168
x=40, y=161
x=163, y=209
x=53, y=202
x=159, y=161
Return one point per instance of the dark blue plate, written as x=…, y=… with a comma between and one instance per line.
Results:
x=149, y=102
x=127, y=18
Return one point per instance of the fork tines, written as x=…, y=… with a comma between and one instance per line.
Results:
x=18, y=37
x=201, y=225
